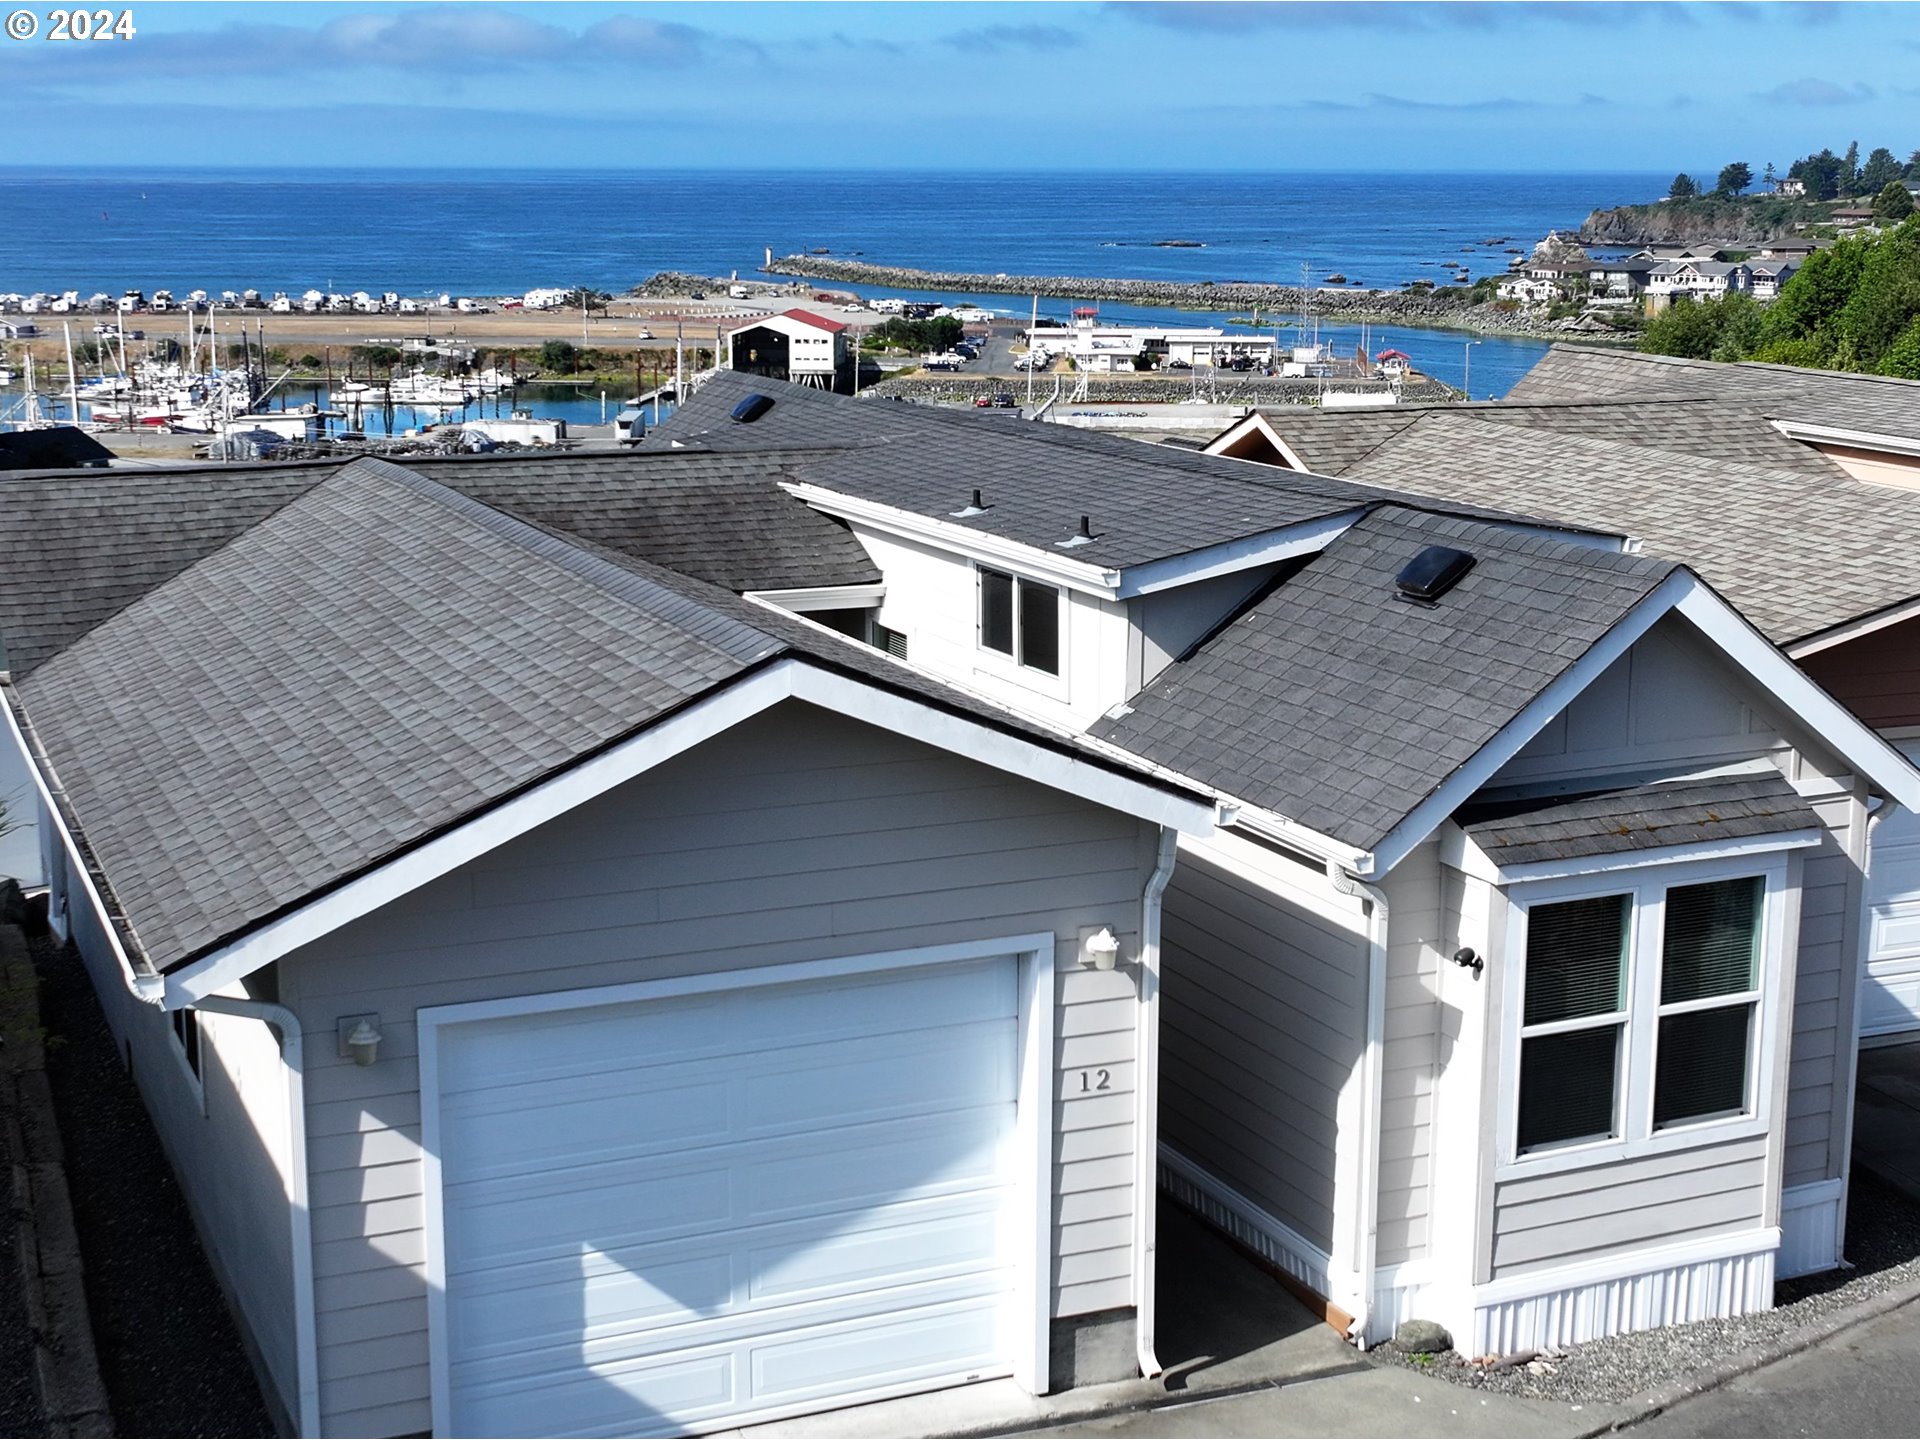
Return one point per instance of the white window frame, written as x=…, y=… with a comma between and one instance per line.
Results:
x=1647, y=885
x=1011, y=664
x=178, y=1022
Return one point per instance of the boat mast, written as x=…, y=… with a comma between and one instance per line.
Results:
x=73, y=378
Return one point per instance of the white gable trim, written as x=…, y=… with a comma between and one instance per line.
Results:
x=785, y=679
x=822, y=597
x=1460, y=851
x=1425, y=817
x=1255, y=422
x=1735, y=637
x=1852, y=738
x=1853, y=439
x=1853, y=629
x=1308, y=538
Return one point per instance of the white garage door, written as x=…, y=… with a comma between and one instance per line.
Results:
x=1890, y=1002
x=678, y=1213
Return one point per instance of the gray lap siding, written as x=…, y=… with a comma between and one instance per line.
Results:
x=796, y=836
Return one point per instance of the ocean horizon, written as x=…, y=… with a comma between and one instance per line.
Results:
x=493, y=232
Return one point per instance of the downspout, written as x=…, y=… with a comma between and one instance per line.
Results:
x=1146, y=1099
x=1367, y=1222
x=305, y=1342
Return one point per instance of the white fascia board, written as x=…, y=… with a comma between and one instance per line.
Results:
x=822, y=597
x=1853, y=629
x=1307, y=538
x=1425, y=817
x=959, y=540
x=1857, y=439
x=785, y=679
x=1855, y=741
x=145, y=984
x=551, y=798
x=1239, y=815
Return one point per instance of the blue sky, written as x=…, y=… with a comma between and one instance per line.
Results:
x=1287, y=86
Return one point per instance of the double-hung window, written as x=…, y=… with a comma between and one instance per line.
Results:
x=1642, y=1007
x=1020, y=618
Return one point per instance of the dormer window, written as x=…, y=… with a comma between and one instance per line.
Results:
x=1020, y=618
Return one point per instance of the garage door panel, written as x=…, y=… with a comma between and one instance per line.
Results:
x=581, y=1129
x=505, y=1054
x=649, y=1286
x=734, y=1203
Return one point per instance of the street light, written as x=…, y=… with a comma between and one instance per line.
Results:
x=1466, y=378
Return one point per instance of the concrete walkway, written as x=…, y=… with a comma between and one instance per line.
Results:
x=1886, y=1115
x=1242, y=1356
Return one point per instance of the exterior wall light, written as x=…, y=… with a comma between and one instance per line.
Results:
x=360, y=1038
x=1101, y=949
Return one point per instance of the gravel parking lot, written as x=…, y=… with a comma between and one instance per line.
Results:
x=1883, y=1242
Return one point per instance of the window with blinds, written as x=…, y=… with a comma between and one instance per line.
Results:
x=1021, y=619
x=1640, y=1012
x=1575, y=1015
x=1709, y=992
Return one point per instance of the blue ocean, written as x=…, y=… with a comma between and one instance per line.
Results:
x=502, y=232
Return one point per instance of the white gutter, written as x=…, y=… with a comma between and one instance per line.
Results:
x=1146, y=1101
x=1853, y=439
x=148, y=987
x=1367, y=1221
x=305, y=1341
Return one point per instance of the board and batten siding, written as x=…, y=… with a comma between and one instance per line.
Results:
x=1261, y=1025
x=799, y=835
x=1544, y=1222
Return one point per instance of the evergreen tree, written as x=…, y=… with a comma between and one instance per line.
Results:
x=1683, y=187
x=1850, y=176
x=1893, y=204
x=1880, y=170
x=1735, y=178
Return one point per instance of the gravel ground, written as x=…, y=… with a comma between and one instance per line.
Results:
x=1883, y=1242
x=19, y=1389
x=169, y=1354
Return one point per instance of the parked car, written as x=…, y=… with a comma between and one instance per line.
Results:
x=1003, y=401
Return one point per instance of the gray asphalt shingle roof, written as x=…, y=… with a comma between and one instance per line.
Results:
x=1333, y=442
x=1796, y=553
x=374, y=661
x=1877, y=404
x=1643, y=817
x=83, y=544
x=1337, y=705
x=1144, y=502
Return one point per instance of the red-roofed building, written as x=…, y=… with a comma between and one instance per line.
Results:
x=796, y=345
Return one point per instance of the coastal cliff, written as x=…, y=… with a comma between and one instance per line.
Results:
x=1737, y=219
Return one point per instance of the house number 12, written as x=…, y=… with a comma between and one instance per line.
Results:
x=1092, y=1080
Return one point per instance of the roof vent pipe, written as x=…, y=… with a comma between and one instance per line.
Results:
x=975, y=506
x=1083, y=536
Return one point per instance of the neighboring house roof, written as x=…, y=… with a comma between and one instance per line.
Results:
x=82, y=546
x=1796, y=553
x=58, y=447
x=1871, y=404
x=1641, y=817
x=1333, y=442
x=819, y=322
x=371, y=663
x=1335, y=704
x=1143, y=503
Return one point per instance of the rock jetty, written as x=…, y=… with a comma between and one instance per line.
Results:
x=1449, y=307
